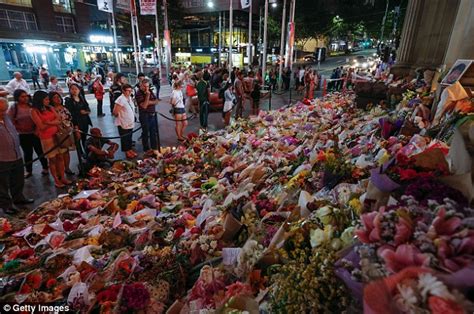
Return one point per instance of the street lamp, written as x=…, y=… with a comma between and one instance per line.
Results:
x=210, y=4
x=274, y=5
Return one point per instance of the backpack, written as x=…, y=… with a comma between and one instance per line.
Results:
x=221, y=93
x=256, y=91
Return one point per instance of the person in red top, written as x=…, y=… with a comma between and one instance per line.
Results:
x=47, y=121
x=20, y=114
x=99, y=92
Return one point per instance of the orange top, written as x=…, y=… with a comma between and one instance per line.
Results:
x=47, y=115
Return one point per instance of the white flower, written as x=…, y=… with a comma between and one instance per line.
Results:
x=406, y=299
x=214, y=244
x=204, y=247
x=317, y=237
x=347, y=235
x=429, y=284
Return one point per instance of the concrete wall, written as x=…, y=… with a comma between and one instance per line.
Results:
x=461, y=43
x=426, y=34
x=44, y=15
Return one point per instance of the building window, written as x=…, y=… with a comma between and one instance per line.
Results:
x=63, y=6
x=65, y=24
x=18, y=20
x=23, y=3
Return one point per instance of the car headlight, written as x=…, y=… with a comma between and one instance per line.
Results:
x=364, y=65
x=371, y=63
x=356, y=64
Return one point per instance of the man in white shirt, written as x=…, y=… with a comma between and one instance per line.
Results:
x=17, y=83
x=124, y=112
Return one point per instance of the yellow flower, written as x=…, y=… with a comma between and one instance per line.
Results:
x=347, y=236
x=328, y=232
x=92, y=241
x=324, y=214
x=356, y=205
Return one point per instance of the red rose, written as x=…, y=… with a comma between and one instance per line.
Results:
x=68, y=226
x=439, y=305
x=195, y=230
x=51, y=283
x=178, y=232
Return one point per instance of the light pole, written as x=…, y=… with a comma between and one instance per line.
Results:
x=282, y=42
x=231, y=39
x=249, y=52
x=167, y=38
x=383, y=22
x=265, y=29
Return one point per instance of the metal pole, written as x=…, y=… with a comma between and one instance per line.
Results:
x=249, y=51
x=231, y=41
x=287, y=46
x=219, y=62
x=282, y=41
x=167, y=38
x=265, y=28
x=132, y=19
x=117, y=61
x=292, y=38
x=157, y=39
x=383, y=22
x=139, y=45
x=260, y=33
x=158, y=141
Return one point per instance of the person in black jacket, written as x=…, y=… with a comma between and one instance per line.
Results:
x=80, y=111
x=156, y=80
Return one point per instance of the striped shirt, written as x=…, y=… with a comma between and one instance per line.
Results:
x=10, y=143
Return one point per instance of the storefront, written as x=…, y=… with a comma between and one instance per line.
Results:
x=56, y=57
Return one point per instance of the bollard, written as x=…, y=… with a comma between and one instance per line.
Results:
x=158, y=141
x=270, y=100
x=325, y=86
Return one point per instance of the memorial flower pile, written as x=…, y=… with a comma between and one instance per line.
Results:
x=303, y=209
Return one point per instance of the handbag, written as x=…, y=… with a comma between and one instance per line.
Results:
x=191, y=91
x=60, y=137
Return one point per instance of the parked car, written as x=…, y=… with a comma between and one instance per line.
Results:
x=310, y=59
x=216, y=103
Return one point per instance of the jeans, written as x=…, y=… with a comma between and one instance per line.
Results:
x=149, y=125
x=112, y=103
x=203, y=113
x=35, y=82
x=125, y=138
x=28, y=142
x=99, y=107
x=11, y=183
x=240, y=107
x=157, y=91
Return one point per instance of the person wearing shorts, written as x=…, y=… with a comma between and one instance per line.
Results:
x=179, y=111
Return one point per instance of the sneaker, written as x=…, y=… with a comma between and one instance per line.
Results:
x=28, y=175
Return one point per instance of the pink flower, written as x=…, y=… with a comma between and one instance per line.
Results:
x=448, y=257
x=467, y=244
x=444, y=226
x=404, y=231
x=371, y=231
x=405, y=255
